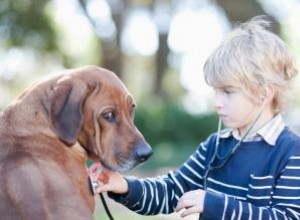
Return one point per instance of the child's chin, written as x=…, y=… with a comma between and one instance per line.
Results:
x=229, y=125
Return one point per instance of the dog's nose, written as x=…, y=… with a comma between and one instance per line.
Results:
x=142, y=152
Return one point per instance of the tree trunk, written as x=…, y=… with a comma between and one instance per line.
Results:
x=243, y=10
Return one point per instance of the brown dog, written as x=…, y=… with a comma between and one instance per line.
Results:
x=47, y=134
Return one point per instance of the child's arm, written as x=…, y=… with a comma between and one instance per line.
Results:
x=160, y=194
x=284, y=204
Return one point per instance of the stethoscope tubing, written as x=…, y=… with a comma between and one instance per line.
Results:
x=227, y=157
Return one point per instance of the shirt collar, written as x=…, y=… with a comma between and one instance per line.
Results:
x=269, y=132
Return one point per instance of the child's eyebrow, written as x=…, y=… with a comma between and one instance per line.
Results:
x=231, y=87
x=228, y=87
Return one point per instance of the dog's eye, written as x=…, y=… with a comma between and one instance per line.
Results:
x=109, y=116
x=133, y=110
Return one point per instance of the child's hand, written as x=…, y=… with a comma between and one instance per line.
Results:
x=192, y=202
x=108, y=181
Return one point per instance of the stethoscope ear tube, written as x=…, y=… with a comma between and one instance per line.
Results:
x=225, y=159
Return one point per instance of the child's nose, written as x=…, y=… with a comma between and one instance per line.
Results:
x=218, y=105
x=218, y=101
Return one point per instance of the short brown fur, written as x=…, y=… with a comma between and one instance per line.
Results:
x=49, y=132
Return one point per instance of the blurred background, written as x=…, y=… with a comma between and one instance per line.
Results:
x=157, y=47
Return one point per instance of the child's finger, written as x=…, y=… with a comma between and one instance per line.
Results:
x=189, y=211
x=182, y=204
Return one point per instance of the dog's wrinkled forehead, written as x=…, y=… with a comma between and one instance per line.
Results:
x=104, y=77
x=108, y=83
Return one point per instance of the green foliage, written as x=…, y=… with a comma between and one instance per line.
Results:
x=25, y=23
x=172, y=132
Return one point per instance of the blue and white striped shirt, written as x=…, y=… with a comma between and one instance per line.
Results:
x=260, y=181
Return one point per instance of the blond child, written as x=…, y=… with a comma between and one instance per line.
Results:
x=251, y=169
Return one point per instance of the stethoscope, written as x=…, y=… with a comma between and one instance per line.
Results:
x=226, y=158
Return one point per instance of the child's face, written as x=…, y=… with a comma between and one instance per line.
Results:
x=235, y=108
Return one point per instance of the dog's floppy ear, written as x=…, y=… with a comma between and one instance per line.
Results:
x=66, y=108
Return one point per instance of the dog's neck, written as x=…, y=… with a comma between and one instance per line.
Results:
x=79, y=151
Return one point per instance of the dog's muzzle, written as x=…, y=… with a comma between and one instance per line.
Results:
x=142, y=152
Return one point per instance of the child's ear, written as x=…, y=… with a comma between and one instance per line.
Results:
x=267, y=95
x=264, y=95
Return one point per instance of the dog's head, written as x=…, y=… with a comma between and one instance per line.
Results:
x=92, y=106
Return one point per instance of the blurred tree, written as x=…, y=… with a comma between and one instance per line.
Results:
x=242, y=10
x=162, y=14
x=236, y=11
x=112, y=58
x=25, y=23
x=111, y=51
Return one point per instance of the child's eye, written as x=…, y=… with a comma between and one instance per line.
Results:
x=228, y=91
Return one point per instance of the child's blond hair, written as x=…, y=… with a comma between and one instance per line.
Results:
x=252, y=57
